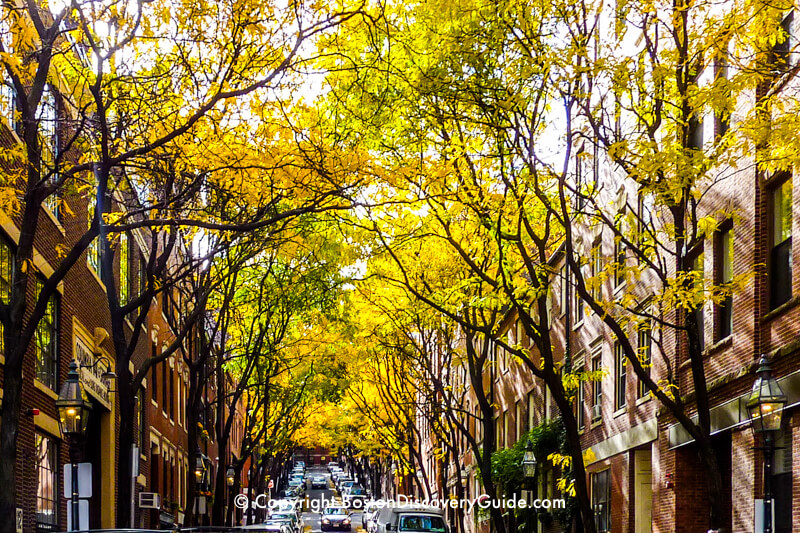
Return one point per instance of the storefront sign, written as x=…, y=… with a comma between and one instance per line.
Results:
x=92, y=368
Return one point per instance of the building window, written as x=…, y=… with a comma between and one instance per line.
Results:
x=478, y=424
x=46, y=341
x=780, y=255
x=698, y=272
x=164, y=386
x=93, y=251
x=124, y=269
x=519, y=419
x=578, y=309
x=722, y=118
x=563, y=295
x=47, y=117
x=645, y=342
x=645, y=231
x=621, y=372
x=695, y=134
x=154, y=370
x=783, y=48
x=620, y=253
x=597, y=386
x=8, y=104
x=171, y=399
x=46, y=484
x=581, y=397
x=724, y=275
x=597, y=269
x=506, y=436
x=531, y=411
x=6, y=271
x=141, y=413
x=601, y=500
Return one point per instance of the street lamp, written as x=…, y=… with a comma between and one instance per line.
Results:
x=230, y=476
x=529, y=469
x=765, y=408
x=529, y=462
x=73, y=416
x=200, y=468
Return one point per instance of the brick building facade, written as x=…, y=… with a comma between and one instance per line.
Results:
x=76, y=327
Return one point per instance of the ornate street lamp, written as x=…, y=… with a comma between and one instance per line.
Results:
x=529, y=462
x=200, y=469
x=230, y=476
x=73, y=417
x=529, y=470
x=765, y=408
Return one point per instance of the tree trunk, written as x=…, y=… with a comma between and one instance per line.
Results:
x=127, y=414
x=576, y=452
x=192, y=419
x=220, y=483
x=9, y=430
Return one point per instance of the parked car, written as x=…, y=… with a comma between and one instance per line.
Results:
x=291, y=494
x=371, y=509
x=291, y=517
x=333, y=464
x=335, y=518
x=270, y=526
x=285, y=506
x=341, y=477
x=298, y=485
x=345, y=483
x=319, y=482
x=354, y=496
x=411, y=519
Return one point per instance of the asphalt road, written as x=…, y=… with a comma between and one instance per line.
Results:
x=318, y=497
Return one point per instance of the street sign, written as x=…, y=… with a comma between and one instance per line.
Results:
x=83, y=516
x=270, y=484
x=84, y=480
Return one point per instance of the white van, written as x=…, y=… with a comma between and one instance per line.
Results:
x=411, y=519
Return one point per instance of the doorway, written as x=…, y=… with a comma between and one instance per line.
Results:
x=643, y=490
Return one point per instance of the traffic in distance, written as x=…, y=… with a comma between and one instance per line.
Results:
x=321, y=499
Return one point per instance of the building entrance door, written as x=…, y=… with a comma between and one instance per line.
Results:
x=643, y=490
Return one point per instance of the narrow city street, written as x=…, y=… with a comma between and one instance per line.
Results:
x=318, y=498
x=474, y=266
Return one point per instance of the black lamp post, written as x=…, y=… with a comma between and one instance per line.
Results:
x=529, y=467
x=73, y=416
x=765, y=408
x=200, y=469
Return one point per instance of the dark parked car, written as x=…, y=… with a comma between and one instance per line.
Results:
x=354, y=497
x=335, y=518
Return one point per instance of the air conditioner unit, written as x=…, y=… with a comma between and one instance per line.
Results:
x=596, y=412
x=149, y=500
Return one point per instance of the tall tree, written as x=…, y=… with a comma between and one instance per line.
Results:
x=98, y=86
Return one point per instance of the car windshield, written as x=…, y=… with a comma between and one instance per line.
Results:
x=282, y=516
x=421, y=523
x=335, y=511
